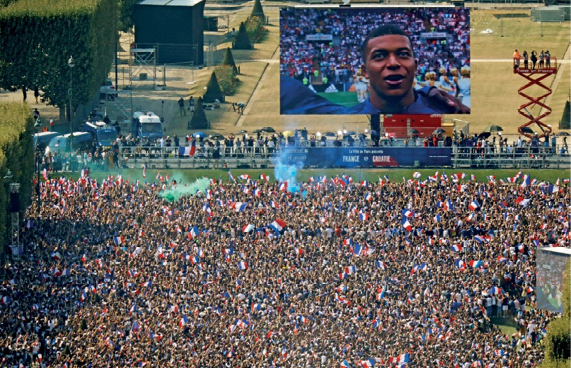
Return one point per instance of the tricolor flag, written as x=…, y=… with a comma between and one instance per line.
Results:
x=56, y=256
x=278, y=225
x=348, y=241
x=240, y=206
x=187, y=151
x=437, y=218
x=364, y=216
x=382, y=265
x=460, y=264
x=368, y=197
x=456, y=248
x=119, y=240
x=264, y=177
x=364, y=183
x=194, y=232
x=45, y=174
x=357, y=250
x=416, y=175
x=345, y=364
x=406, y=225
x=350, y=270
x=494, y=290
x=243, y=265
x=183, y=321
x=473, y=205
x=231, y=177
x=248, y=228
x=283, y=186
x=144, y=171
x=407, y=213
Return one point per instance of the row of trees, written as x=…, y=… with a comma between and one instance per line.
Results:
x=39, y=37
x=16, y=155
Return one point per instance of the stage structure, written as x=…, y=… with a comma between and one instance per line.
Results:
x=174, y=28
x=535, y=77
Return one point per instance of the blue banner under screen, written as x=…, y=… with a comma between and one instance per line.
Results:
x=366, y=156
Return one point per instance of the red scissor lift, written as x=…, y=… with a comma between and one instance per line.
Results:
x=535, y=78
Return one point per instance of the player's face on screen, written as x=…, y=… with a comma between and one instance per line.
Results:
x=390, y=67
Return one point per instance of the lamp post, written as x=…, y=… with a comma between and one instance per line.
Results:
x=14, y=207
x=71, y=64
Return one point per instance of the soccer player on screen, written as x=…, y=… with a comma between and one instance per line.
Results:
x=390, y=66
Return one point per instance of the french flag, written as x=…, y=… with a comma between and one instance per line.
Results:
x=460, y=264
x=473, y=205
x=479, y=239
x=494, y=290
x=278, y=225
x=144, y=171
x=350, y=270
x=416, y=175
x=248, y=228
x=348, y=241
x=407, y=213
x=194, y=232
x=364, y=183
x=298, y=251
x=56, y=256
x=345, y=364
x=364, y=216
x=357, y=250
x=119, y=240
x=147, y=284
x=437, y=218
x=243, y=265
x=403, y=358
x=240, y=206
x=183, y=321
x=406, y=225
x=382, y=265
x=188, y=151
x=283, y=186
x=264, y=177
x=456, y=248
x=368, y=197
x=368, y=363
x=475, y=264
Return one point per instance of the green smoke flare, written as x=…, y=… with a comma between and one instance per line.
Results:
x=182, y=190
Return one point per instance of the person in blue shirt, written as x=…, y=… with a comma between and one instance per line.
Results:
x=390, y=67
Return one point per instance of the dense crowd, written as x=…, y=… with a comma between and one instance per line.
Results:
x=339, y=60
x=259, y=273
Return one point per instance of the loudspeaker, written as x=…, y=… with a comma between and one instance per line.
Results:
x=14, y=202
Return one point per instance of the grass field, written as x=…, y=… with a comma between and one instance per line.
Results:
x=341, y=98
x=371, y=175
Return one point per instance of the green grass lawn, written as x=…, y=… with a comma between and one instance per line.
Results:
x=346, y=99
x=372, y=175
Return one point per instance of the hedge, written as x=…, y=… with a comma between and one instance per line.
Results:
x=558, y=339
x=226, y=79
x=16, y=154
x=38, y=38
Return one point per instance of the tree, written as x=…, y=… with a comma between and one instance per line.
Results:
x=229, y=60
x=558, y=338
x=37, y=42
x=199, y=120
x=213, y=90
x=242, y=41
x=258, y=10
x=126, y=9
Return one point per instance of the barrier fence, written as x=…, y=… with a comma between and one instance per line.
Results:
x=344, y=157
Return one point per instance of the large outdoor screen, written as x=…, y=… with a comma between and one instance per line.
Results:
x=551, y=267
x=374, y=61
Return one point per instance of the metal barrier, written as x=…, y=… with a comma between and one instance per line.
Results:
x=264, y=157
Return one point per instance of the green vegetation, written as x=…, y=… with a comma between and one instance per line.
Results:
x=16, y=155
x=227, y=79
x=213, y=90
x=242, y=40
x=558, y=339
x=39, y=37
x=126, y=8
x=258, y=10
x=229, y=60
x=255, y=29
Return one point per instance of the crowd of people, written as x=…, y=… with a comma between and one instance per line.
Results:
x=265, y=273
x=339, y=59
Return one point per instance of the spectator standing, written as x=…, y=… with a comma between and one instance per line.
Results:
x=181, y=107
